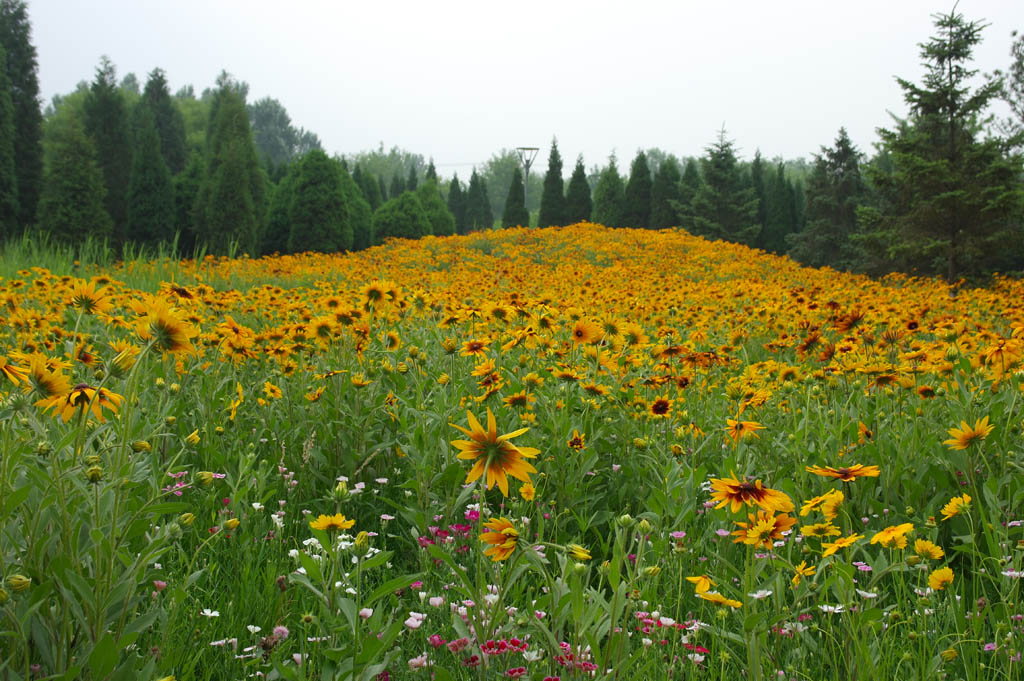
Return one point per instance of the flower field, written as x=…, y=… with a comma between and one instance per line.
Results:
x=566, y=453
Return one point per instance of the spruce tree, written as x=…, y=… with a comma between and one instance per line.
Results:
x=279, y=224
x=578, y=205
x=637, y=205
x=397, y=186
x=664, y=191
x=431, y=172
x=71, y=206
x=780, y=214
x=106, y=122
x=9, y=224
x=724, y=207
x=442, y=222
x=412, y=181
x=169, y=121
x=401, y=218
x=151, y=213
x=515, y=214
x=610, y=197
x=478, y=205
x=318, y=215
x=457, y=204
x=553, y=208
x=187, y=185
x=757, y=182
x=22, y=72
x=382, y=187
x=360, y=214
x=688, y=186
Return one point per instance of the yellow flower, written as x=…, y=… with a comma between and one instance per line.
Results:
x=846, y=474
x=494, y=454
x=578, y=441
x=802, y=570
x=578, y=552
x=845, y=542
x=719, y=599
x=82, y=399
x=893, y=536
x=927, y=549
x=527, y=491
x=232, y=523
x=733, y=493
x=763, y=528
x=964, y=436
x=820, y=530
x=331, y=523
x=738, y=430
x=701, y=583
x=502, y=537
x=193, y=437
x=956, y=506
x=940, y=579
x=271, y=390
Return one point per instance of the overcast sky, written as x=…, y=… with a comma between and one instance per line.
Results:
x=459, y=80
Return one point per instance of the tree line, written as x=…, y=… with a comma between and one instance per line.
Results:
x=134, y=164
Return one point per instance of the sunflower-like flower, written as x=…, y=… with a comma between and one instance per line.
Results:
x=964, y=436
x=820, y=530
x=85, y=296
x=719, y=599
x=81, y=399
x=332, y=523
x=763, y=528
x=893, y=536
x=577, y=552
x=502, y=536
x=701, y=583
x=494, y=454
x=847, y=473
x=161, y=324
x=843, y=543
x=802, y=570
x=584, y=331
x=940, y=579
x=14, y=374
x=956, y=506
x=734, y=493
x=928, y=549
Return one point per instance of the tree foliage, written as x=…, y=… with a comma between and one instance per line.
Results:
x=478, y=205
x=151, y=213
x=318, y=214
x=515, y=214
x=664, y=191
x=724, y=207
x=637, y=198
x=106, y=122
x=8, y=178
x=457, y=204
x=168, y=119
x=442, y=222
x=401, y=217
x=22, y=72
x=610, y=197
x=552, y=200
x=578, y=204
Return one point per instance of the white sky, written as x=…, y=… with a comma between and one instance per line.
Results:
x=458, y=80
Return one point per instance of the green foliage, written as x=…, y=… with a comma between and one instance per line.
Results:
x=187, y=185
x=664, y=192
x=610, y=197
x=8, y=178
x=637, y=198
x=688, y=187
x=401, y=218
x=275, y=239
x=168, y=119
x=151, y=210
x=360, y=214
x=369, y=186
x=757, y=173
x=515, y=214
x=431, y=173
x=387, y=164
x=71, y=206
x=578, y=205
x=457, y=204
x=724, y=207
x=319, y=215
x=553, y=208
x=397, y=187
x=780, y=211
x=478, y=206
x=106, y=122
x=497, y=173
x=412, y=181
x=835, y=190
x=442, y=222
x=22, y=72
x=1013, y=93
x=277, y=141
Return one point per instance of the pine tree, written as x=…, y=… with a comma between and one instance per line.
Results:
x=431, y=173
x=382, y=188
x=515, y=214
x=835, y=189
x=71, y=206
x=397, y=186
x=22, y=72
x=360, y=214
x=187, y=185
x=169, y=121
x=318, y=214
x=279, y=224
x=610, y=197
x=578, y=205
x=106, y=122
x=953, y=201
x=780, y=211
x=478, y=205
x=757, y=182
x=724, y=207
x=457, y=204
x=151, y=213
x=664, y=191
x=553, y=208
x=688, y=186
x=412, y=182
x=637, y=207
x=442, y=222
x=8, y=178
x=400, y=218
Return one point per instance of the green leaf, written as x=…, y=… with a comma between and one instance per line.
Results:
x=390, y=587
x=103, y=657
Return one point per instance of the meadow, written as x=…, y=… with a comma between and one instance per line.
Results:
x=565, y=453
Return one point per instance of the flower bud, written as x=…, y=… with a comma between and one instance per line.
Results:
x=94, y=474
x=361, y=546
x=341, y=490
x=913, y=560
x=3, y=595
x=160, y=383
x=232, y=523
x=443, y=379
x=140, y=446
x=625, y=520
x=644, y=526
x=186, y=519
x=19, y=582
x=93, y=460
x=652, y=570
x=175, y=388
x=44, y=448
x=219, y=430
x=193, y=438
x=204, y=478
x=171, y=420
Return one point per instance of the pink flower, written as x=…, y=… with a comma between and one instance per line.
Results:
x=366, y=613
x=418, y=662
x=160, y=585
x=436, y=641
x=436, y=601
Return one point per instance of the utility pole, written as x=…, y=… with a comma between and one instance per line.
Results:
x=526, y=156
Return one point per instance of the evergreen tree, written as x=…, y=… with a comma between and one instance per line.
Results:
x=400, y=218
x=478, y=205
x=757, y=182
x=319, y=215
x=610, y=197
x=279, y=222
x=553, y=208
x=151, y=211
x=397, y=186
x=369, y=186
x=515, y=214
x=431, y=172
x=953, y=201
x=780, y=211
x=382, y=188
x=835, y=189
x=724, y=207
x=688, y=187
x=8, y=179
x=71, y=206
x=637, y=207
x=187, y=185
x=442, y=222
x=169, y=121
x=664, y=191
x=578, y=205
x=360, y=214
x=22, y=73
x=412, y=181
x=106, y=122
x=457, y=204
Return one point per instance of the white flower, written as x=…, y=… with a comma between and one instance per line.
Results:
x=257, y=506
x=533, y=655
x=866, y=594
x=253, y=629
x=1014, y=574
x=831, y=608
x=209, y=613
x=758, y=595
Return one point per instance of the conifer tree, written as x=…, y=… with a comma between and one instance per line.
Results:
x=318, y=215
x=457, y=204
x=279, y=224
x=637, y=206
x=442, y=222
x=106, y=122
x=71, y=206
x=169, y=121
x=664, y=192
x=383, y=190
x=360, y=214
x=757, y=182
x=552, y=199
x=478, y=205
x=22, y=72
x=610, y=197
x=515, y=214
x=688, y=187
x=578, y=205
x=397, y=186
x=401, y=218
x=431, y=172
x=9, y=224
x=187, y=185
x=412, y=182
x=151, y=213
x=724, y=207
x=780, y=213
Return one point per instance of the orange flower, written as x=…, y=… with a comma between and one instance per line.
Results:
x=732, y=492
x=763, y=529
x=738, y=430
x=964, y=436
x=494, y=454
x=846, y=474
x=502, y=537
